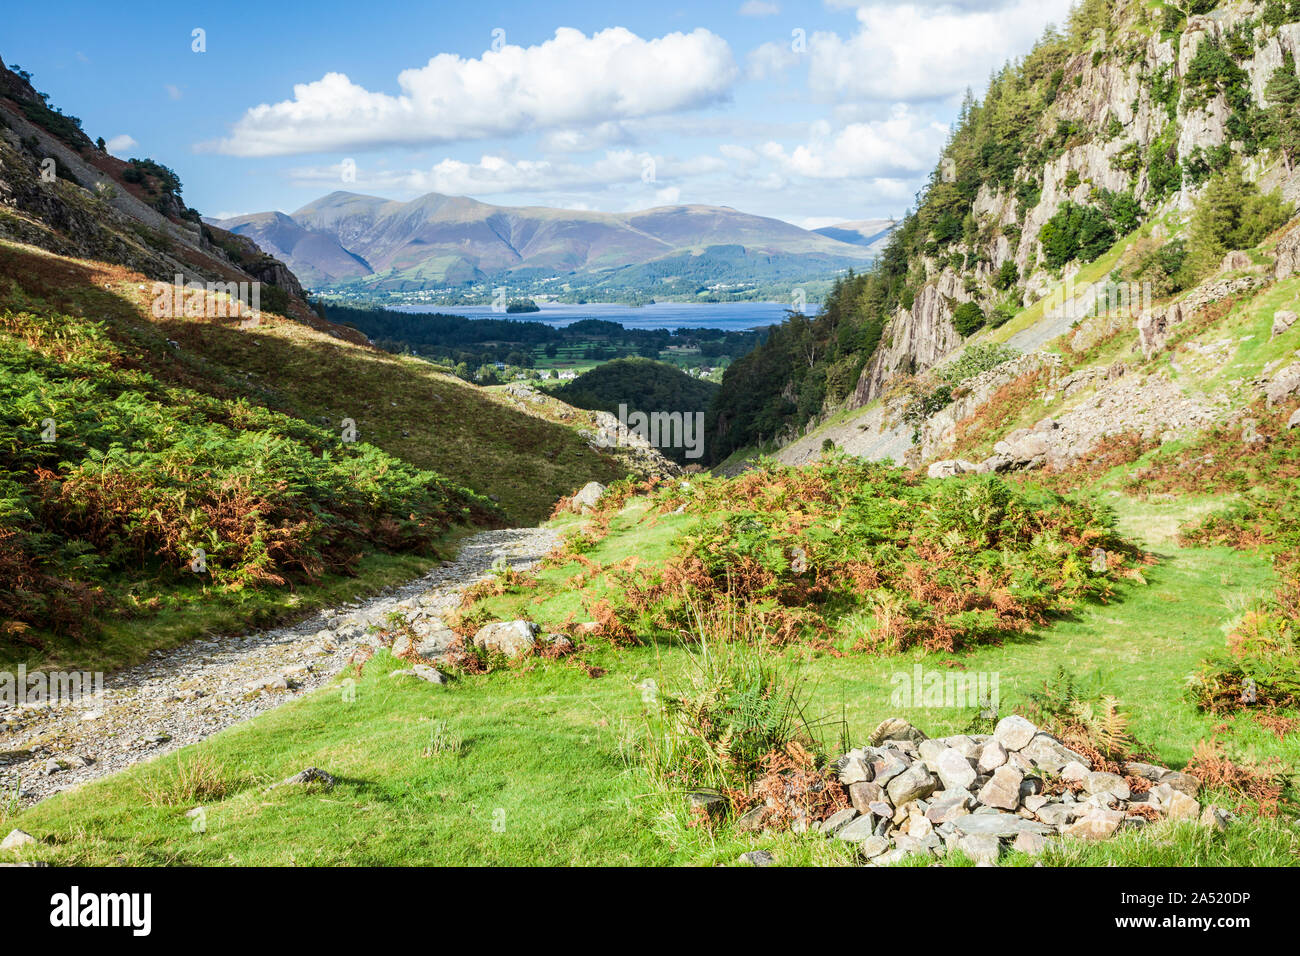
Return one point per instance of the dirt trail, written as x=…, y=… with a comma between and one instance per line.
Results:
x=180, y=696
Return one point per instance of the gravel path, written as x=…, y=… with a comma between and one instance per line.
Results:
x=179, y=697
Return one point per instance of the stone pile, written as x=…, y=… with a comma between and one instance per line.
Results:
x=980, y=793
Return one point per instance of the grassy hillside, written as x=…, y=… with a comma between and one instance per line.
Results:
x=171, y=434
x=541, y=762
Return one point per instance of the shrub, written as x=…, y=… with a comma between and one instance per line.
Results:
x=941, y=564
x=968, y=318
x=975, y=360
x=1075, y=232
x=136, y=476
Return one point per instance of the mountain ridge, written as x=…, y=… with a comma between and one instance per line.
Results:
x=345, y=237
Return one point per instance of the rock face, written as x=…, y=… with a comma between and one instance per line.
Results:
x=1029, y=788
x=511, y=638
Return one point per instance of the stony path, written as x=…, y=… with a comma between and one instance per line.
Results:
x=179, y=697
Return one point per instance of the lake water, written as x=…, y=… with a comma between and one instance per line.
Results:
x=733, y=316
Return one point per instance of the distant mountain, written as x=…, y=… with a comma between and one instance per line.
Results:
x=436, y=241
x=872, y=233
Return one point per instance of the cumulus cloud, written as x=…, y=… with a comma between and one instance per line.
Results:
x=570, y=81
x=920, y=51
x=901, y=146
x=120, y=144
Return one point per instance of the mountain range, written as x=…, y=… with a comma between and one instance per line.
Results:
x=436, y=241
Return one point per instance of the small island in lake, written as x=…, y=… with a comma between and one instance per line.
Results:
x=515, y=306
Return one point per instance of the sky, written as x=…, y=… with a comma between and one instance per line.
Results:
x=811, y=112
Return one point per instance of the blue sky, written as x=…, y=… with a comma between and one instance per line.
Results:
x=813, y=112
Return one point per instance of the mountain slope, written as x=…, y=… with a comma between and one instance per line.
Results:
x=300, y=464
x=1080, y=168
x=439, y=240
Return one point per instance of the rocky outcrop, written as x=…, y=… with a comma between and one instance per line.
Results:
x=982, y=795
x=916, y=339
x=87, y=211
x=940, y=430
x=1288, y=255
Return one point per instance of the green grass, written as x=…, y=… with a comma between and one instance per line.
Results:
x=547, y=754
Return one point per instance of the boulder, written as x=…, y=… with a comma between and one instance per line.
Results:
x=886, y=768
x=1179, y=806
x=757, y=858
x=17, y=839
x=422, y=672
x=853, y=768
x=951, y=468
x=914, y=783
x=1283, y=385
x=1014, y=732
x=1003, y=789
x=1049, y=754
x=857, y=830
x=1294, y=420
x=873, y=846
x=1056, y=814
x=981, y=848
x=1097, y=825
x=1182, y=782
x=865, y=793
x=1030, y=843
x=512, y=638
x=708, y=804
x=838, y=821
x=1282, y=321
x=946, y=806
x=1101, y=782
x=993, y=756
x=1001, y=825
x=585, y=500
x=954, y=770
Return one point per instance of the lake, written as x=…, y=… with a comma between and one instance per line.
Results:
x=732, y=316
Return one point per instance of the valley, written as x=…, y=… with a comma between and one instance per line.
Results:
x=511, y=534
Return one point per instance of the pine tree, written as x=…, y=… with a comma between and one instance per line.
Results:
x=1283, y=95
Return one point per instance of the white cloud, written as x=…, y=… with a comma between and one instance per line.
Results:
x=173, y=91
x=494, y=175
x=120, y=144
x=898, y=147
x=920, y=51
x=759, y=8
x=571, y=81
x=770, y=59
